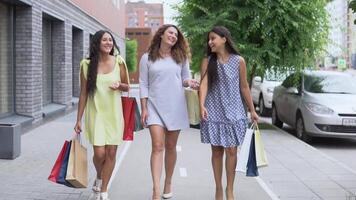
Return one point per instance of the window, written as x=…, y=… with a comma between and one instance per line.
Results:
x=47, y=62
x=294, y=80
x=116, y=3
x=138, y=33
x=330, y=83
x=7, y=85
x=77, y=55
x=90, y=38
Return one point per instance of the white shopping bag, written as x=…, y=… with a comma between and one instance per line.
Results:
x=245, y=150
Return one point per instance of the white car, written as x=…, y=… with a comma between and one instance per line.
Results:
x=262, y=91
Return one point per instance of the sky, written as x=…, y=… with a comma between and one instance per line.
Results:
x=168, y=12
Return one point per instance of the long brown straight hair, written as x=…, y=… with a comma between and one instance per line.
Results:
x=94, y=51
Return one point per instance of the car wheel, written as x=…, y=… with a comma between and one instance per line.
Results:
x=275, y=120
x=300, y=130
x=263, y=111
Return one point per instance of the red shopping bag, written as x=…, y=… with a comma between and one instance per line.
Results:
x=128, y=110
x=57, y=165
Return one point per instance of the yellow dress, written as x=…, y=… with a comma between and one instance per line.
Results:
x=104, y=121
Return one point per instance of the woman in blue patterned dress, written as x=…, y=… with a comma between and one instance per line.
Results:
x=223, y=115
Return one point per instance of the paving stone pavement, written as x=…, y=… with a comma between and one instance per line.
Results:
x=25, y=178
x=296, y=170
x=299, y=171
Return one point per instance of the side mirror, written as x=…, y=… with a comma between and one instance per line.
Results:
x=292, y=90
x=257, y=79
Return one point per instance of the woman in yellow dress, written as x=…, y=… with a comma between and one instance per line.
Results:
x=103, y=77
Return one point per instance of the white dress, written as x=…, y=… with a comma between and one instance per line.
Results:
x=161, y=82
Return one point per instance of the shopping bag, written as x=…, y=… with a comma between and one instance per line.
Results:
x=251, y=168
x=192, y=100
x=63, y=171
x=261, y=157
x=77, y=170
x=57, y=165
x=138, y=124
x=245, y=150
x=128, y=110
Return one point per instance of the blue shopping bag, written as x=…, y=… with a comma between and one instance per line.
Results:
x=252, y=169
x=63, y=170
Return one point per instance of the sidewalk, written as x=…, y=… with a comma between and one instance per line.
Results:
x=25, y=178
x=192, y=178
x=296, y=170
x=351, y=71
x=299, y=171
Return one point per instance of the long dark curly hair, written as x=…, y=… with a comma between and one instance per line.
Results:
x=94, y=51
x=230, y=47
x=180, y=51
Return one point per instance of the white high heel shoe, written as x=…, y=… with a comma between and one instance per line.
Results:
x=104, y=196
x=97, y=185
x=167, y=196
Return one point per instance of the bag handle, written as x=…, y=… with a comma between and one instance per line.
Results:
x=78, y=137
x=120, y=59
x=254, y=126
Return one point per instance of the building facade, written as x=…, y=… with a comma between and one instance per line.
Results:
x=342, y=35
x=143, y=37
x=41, y=45
x=140, y=14
x=338, y=27
x=142, y=21
x=351, y=38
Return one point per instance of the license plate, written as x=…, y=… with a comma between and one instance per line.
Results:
x=349, y=122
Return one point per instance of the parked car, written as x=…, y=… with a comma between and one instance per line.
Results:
x=317, y=104
x=262, y=91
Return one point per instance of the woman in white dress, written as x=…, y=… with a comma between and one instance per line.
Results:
x=164, y=72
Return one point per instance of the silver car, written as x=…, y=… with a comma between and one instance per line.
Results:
x=317, y=104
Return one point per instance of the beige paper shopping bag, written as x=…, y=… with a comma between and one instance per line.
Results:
x=77, y=170
x=192, y=99
x=261, y=157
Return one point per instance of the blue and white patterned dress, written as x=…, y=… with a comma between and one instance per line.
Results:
x=226, y=123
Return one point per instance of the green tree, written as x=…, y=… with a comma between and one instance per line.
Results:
x=131, y=55
x=278, y=34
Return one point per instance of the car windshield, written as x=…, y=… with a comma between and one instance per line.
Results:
x=337, y=84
